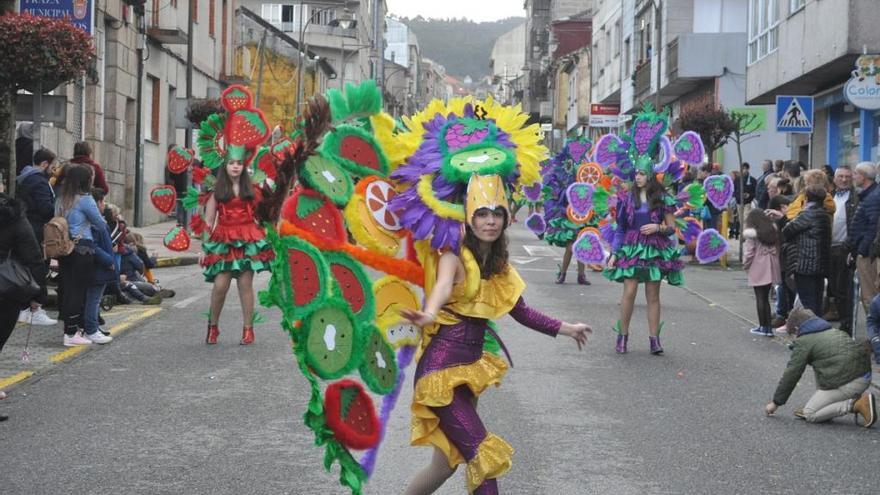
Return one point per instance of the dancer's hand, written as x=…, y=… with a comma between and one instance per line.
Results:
x=420, y=318
x=611, y=261
x=770, y=408
x=773, y=214
x=649, y=228
x=577, y=331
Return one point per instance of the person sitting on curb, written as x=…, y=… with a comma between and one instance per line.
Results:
x=842, y=367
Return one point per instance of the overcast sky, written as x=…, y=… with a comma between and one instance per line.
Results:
x=475, y=10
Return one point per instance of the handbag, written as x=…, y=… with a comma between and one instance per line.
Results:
x=16, y=281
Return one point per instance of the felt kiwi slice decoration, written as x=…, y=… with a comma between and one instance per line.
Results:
x=333, y=341
x=379, y=366
x=328, y=178
x=356, y=150
x=353, y=284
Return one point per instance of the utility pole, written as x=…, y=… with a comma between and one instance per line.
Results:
x=379, y=43
x=658, y=4
x=139, y=124
x=260, y=71
x=188, y=139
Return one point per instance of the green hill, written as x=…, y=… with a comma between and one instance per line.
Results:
x=464, y=47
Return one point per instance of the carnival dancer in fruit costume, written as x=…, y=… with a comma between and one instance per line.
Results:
x=562, y=224
x=234, y=244
x=467, y=151
x=643, y=246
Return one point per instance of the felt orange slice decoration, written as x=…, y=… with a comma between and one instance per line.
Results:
x=591, y=173
x=574, y=217
x=364, y=220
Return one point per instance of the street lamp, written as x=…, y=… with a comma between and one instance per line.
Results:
x=303, y=48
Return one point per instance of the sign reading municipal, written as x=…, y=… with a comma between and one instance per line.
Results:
x=79, y=12
x=863, y=89
x=794, y=114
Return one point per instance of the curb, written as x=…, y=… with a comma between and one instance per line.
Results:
x=61, y=356
x=177, y=261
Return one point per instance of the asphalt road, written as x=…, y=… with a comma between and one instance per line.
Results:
x=158, y=412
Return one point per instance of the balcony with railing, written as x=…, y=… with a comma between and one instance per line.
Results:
x=642, y=81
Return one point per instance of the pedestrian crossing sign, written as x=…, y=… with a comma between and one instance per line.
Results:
x=794, y=114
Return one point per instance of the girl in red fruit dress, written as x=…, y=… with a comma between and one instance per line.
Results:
x=236, y=246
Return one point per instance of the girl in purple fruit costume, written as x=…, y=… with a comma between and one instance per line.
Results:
x=644, y=252
x=464, y=292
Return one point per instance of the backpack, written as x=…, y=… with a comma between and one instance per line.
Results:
x=56, y=239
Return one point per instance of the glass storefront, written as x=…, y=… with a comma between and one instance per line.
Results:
x=849, y=137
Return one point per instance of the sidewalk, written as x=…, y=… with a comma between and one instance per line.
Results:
x=153, y=236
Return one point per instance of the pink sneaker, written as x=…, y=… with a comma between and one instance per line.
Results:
x=76, y=339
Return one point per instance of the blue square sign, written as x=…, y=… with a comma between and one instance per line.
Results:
x=794, y=114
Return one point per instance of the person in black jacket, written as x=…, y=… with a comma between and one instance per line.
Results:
x=16, y=240
x=861, y=233
x=33, y=190
x=811, y=232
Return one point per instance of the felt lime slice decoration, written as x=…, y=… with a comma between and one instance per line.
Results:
x=356, y=150
x=379, y=365
x=328, y=178
x=353, y=284
x=480, y=159
x=333, y=343
x=351, y=415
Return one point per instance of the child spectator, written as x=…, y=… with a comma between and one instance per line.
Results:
x=761, y=262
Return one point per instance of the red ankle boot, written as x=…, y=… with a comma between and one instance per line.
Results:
x=213, y=333
x=247, y=336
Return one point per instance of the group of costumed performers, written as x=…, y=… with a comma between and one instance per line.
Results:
x=233, y=243
x=475, y=151
x=561, y=222
x=649, y=218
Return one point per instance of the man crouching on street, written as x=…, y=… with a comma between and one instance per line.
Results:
x=842, y=367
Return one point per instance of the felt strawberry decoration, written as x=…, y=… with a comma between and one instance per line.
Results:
x=245, y=129
x=236, y=98
x=199, y=174
x=351, y=415
x=179, y=159
x=164, y=198
x=177, y=239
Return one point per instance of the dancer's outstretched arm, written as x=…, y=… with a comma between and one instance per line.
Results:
x=539, y=322
x=447, y=269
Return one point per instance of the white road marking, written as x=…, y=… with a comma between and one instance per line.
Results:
x=519, y=260
x=189, y=300
x=540, y=250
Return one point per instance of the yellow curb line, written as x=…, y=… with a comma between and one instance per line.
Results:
x=119, y=327
x=12, y=380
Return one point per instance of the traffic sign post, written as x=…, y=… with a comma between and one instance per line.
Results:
x=794, y=114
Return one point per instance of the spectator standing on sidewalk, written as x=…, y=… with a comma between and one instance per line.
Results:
x=861, y=233
x=761, y=197
x=839, y=290
x=103, y=272
x=747, y=185
x=874, y=327
x=33, y=190
x=842, y=367
x=785, y=294
x=82, y=154
x=24, y=146
x=18, y=242
x=761, y=262
x=76, y=205
x=810, y=231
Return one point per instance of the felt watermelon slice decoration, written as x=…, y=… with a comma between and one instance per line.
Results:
x=351, y=415
x=719, y=190
x=379, y=365
x=353, y=284
x=588, y=248
x=356, y=150
x=309, y=210
x=300, y=277
x=536, y=223
x=179, y=159
x=164, y=198
x=328, y=178
x=580, y=197
x=710, y=246
x=177, y=239
x=333, y=343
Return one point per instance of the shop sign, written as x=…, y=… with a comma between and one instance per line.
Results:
x=863, y=88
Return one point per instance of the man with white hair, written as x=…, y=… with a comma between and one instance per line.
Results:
x=861, y=233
